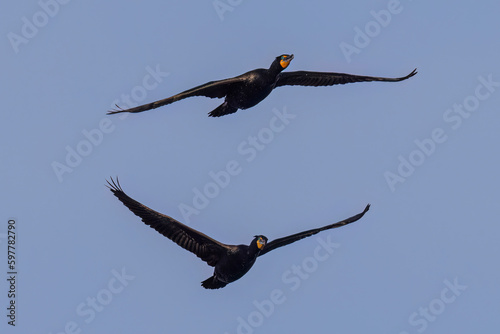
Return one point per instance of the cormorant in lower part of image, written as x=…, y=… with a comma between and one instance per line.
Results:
x=230, y=262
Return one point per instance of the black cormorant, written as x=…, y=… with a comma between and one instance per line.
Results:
x=247, y=90
x=231, y=262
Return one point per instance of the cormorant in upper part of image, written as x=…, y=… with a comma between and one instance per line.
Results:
x=247, y=90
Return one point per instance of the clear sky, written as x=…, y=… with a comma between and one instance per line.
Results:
x=423, y=152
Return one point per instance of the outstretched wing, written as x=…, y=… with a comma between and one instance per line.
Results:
x=294, y=237
x=305, y=78
x=206, y=248
x=212, y=89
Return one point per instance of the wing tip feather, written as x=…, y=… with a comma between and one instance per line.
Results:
x=114, y=186
x=115, y=111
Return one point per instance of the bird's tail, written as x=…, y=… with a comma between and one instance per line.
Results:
x=213, y=283
x=223, y=109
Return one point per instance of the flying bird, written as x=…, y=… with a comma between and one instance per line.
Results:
x=248, y=89
x=230, y=262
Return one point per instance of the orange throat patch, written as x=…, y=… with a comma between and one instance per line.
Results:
x=284, y=63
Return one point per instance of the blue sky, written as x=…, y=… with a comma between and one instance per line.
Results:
x=422, y=152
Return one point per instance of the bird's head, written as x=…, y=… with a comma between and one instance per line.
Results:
x=261, y=241
x=284, y=60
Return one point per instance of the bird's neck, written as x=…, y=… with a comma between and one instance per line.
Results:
x=253, y=250
x=275, y=68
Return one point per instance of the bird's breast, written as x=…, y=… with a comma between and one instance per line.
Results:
x=251, y=94
x=234, y=266
x=256, y=86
